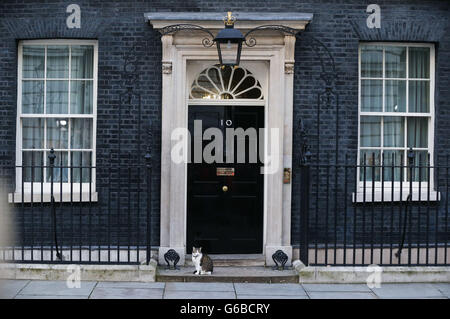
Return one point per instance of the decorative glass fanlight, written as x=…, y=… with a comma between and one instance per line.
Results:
x=225, y=83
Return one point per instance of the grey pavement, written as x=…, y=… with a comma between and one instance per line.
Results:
x=36, y=289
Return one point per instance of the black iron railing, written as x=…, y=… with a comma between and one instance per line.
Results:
x=95, y=215
x=377, y=212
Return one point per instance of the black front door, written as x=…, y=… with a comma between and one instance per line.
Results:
x=225, y=200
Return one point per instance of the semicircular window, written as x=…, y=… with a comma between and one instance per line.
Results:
x=226, y=83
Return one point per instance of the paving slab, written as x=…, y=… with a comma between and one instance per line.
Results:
x=341, y=295
x=407, y=291
x=57, y=288
x=199, y=286
x=199, y=295
x=269, y=289
x=337, y=287
x=126, y=293
x=123, y=284
x=10, y=288
x=259, y=297
x=49, y=297
x=444, y=288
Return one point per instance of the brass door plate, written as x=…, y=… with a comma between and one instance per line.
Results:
x=225, y=171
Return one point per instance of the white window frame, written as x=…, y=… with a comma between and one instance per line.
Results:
x=70, y=191
x=402, y=187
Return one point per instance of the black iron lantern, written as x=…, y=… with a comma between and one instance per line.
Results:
x=229, y=43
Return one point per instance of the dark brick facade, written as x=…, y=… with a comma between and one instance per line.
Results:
x=119, y=26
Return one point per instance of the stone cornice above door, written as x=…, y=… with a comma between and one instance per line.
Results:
x=214, y=20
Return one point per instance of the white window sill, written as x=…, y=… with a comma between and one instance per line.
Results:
x=66, y=197
x=387, y=197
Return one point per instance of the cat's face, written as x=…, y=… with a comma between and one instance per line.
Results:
x=196, y=251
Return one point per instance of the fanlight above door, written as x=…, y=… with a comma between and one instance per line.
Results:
x=216, y=83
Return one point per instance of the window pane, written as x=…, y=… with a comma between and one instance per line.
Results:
x=60, y=168
x=371, y=95
x=370, y=131
x=81, y=97
x=419, y=96
x=395, y=59
x=419, y=63
x=371, y=158
x=57, y=97
x=394, y=131
x=81, y=133
x=32, y=133
x=32, y=159
x=57, y=133
x=32, y=97
x=228, y=51
x=392, y=162
x=83, y=160
x=418, y=132
x=82, y=62
x=57, y=61
x=371, y=61
x=205, y=83
x=395, y=100
x=33, y=61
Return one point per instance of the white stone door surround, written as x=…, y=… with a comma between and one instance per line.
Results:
x=274, y=51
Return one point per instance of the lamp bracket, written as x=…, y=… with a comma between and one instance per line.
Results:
x=251, y=42
x=208, y=42
x=170, y=29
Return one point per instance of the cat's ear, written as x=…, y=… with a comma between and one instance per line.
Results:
x=200, y=250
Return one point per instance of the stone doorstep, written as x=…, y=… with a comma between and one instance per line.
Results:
x=389, y=274
x=239, y=260
x=237, y=274
x=139, y=273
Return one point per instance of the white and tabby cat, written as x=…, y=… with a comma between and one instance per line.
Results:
x=203, y=264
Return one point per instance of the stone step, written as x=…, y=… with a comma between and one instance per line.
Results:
x=228, y=274
x=250, y=260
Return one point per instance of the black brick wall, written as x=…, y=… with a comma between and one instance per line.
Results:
x=119, y=26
